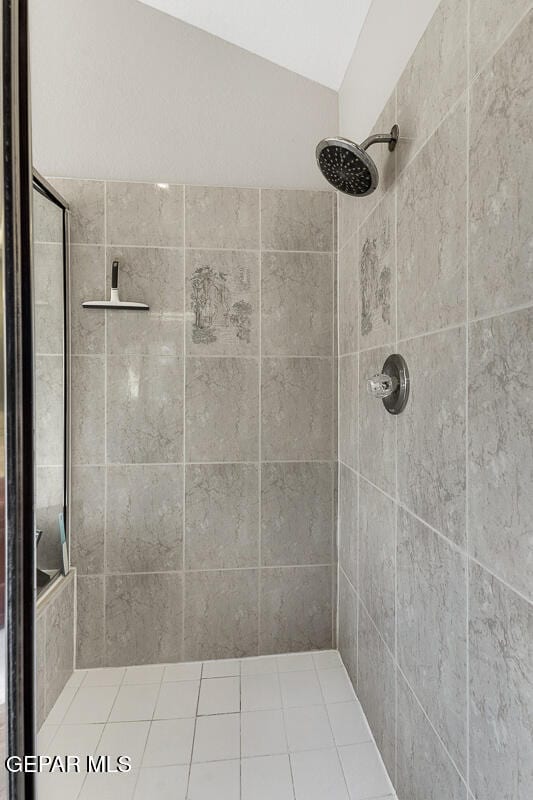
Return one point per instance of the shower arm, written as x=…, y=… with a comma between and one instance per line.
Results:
x=383, y=138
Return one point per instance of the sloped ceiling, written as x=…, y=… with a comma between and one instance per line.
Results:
x=314, y=38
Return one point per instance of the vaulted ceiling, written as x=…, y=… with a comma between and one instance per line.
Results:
x=314, y=38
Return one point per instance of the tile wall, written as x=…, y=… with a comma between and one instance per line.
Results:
x=203, y=430
x=435, y=506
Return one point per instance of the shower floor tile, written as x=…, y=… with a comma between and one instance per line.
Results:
x=285, y=727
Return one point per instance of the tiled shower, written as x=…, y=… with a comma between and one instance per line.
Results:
x=241, y=506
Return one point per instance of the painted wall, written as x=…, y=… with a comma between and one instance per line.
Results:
x=203, y=457
x=124, y=92
x=436, y=585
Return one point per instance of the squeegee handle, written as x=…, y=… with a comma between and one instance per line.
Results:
x=114, y=275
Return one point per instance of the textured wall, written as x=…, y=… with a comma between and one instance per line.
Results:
x=435, y=551
x=55, y=644
x=202, y=443
x=124, y=92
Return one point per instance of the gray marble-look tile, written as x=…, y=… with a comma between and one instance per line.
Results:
x=144, y=524
x=143, y=618
x=418, y=747
x=221, y=614
x=376, y=687
x=347, y=636
x=222, y=409
x=296, y=398
x=431, y=432
x=221, y=516
x=296, y=514
x=348, y=522
x=434, y=77
x=144, y=409
x=348, y=268
x=87, y=282
x=501, y=690
x=41, y=709
x=153, y=276
x=297, y=304
x=219, y=216
x=432, y=232
x=148, y=214
x=49, y=410
x=87, y=520
x=47, y=220
x=377, y=275
x=377, y=428
x=500, y=453
x=377, y=558
x=90, y=626
x=501, y=202
x=296, y=220
x=49, y=503
x=59, y=639
x=384, y=159
x=348, y=405
x=431, y=612
x=86, y=206
x=490, y=22
x=88, y=409
x=348, y=217
x=48, y=301
x=222, y=302
x=295, y=609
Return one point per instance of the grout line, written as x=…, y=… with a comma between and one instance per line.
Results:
x=467, y=423
x=260, y=432
x=184, y=445
x=396, y=487
x=104, y=581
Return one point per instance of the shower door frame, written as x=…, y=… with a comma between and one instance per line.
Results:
x=16, y=209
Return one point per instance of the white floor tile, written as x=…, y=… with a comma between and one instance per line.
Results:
x=76, y=679
x=134, y=703
x=219, y=696
x=162, y=783
x=364, y=771
x=91, y=704
x=60, y=707
x=300, y=689
x=327, y=659
x=318, y=775
x=336, y=686
x=259, y=666
x=308, y=728
x=124, y=739
x=226, y=668
x=262, y=733
x=59, y=786
x=147, y=673
x=178, y=699
x=44, y=738
x=260, y=692
x=215, y=781
x=111, y=676
x=217, y=738
x=187, y=671
x=266, y=778
x=108, y=786
x=348, y=723
x=169, y=742
x=295, y=662
x=77, y=740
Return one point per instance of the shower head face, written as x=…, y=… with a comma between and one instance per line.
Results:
x=347, y=167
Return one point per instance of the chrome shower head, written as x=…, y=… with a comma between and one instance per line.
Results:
x=348, y=167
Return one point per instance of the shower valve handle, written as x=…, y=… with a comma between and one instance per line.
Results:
x=382, y=385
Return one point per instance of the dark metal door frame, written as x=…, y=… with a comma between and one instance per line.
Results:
x=18, y=387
